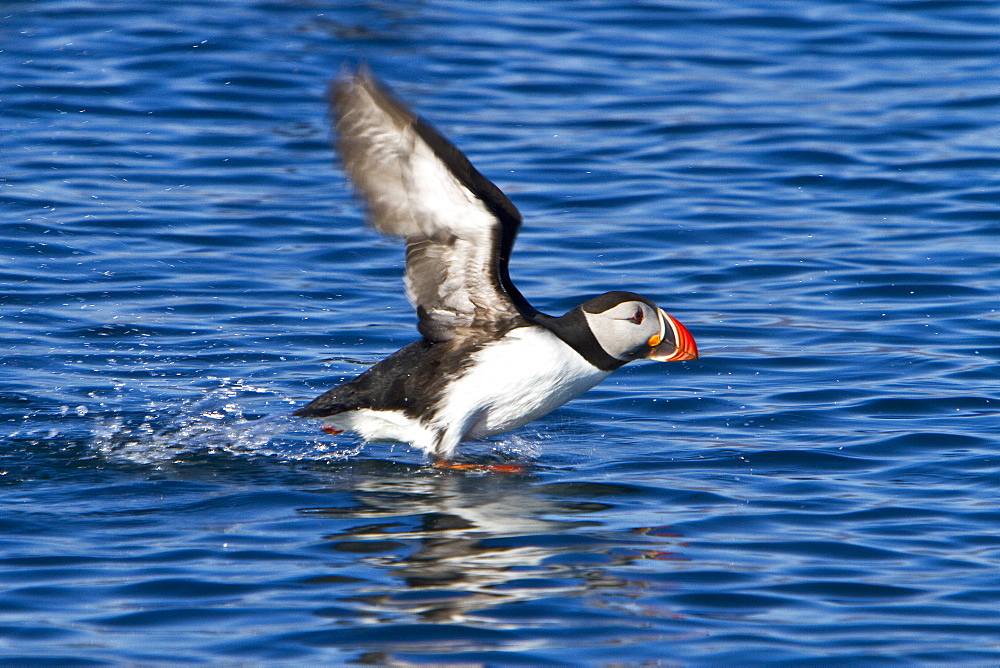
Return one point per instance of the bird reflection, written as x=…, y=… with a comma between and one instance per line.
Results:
x=457, y=544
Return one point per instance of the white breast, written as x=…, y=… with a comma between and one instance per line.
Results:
x=528, y=373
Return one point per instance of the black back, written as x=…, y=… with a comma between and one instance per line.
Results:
x=411, y=380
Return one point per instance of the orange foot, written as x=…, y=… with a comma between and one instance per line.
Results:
x=498, y=468
x=331, y=430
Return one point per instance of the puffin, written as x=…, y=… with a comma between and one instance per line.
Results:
x=487, y=361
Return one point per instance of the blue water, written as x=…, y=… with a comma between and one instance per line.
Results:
x=811, y=186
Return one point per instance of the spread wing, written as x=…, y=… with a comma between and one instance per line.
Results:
x=459, y=227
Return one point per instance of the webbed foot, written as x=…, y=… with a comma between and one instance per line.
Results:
x=498, y=468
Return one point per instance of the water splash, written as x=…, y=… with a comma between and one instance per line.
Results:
x=234, y=418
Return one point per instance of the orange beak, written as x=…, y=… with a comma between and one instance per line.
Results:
x=674, y=343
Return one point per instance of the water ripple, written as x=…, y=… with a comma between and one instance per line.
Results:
x=810, y=187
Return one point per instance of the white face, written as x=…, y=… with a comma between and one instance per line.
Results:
x=624, y=331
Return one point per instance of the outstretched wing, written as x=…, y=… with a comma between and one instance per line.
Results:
x=459, y=227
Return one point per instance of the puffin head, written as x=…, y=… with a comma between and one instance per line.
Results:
x=629, y=327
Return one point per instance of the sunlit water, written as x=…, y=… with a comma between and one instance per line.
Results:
x=811, y=187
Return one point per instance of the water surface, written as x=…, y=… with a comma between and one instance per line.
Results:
x=810, y=186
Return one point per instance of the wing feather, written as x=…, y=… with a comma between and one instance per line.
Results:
x=458, y=226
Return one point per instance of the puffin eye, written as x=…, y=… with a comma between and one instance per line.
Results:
x=637, y=316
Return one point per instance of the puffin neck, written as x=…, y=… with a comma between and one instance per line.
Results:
x=573, y=329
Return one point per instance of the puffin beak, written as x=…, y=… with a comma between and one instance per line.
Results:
x=674, y=343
